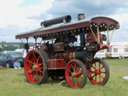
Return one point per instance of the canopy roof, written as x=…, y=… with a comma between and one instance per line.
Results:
x=103, y=23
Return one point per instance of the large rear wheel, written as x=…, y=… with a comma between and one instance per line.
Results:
x=75, y=74
x=98, y=72
x=35, y=67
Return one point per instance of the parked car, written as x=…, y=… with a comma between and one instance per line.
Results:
x=16, y=55
x=8, y=59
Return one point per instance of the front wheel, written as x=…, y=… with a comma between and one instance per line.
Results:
x=98, y=72
x=75, y=74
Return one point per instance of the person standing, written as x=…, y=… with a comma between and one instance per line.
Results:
x=17, y=64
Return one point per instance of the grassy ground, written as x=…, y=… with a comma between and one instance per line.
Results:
x=12, y=83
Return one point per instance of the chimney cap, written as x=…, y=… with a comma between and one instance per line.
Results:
x=81, y=16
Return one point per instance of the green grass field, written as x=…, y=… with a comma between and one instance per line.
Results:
x=12, y=83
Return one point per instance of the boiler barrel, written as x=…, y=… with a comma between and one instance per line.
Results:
x=64, y=19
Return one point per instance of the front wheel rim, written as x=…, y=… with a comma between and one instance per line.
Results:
x=98, y=73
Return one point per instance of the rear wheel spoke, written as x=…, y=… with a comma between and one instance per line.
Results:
x=29, y=61
x=37, y=61
x=34, y=57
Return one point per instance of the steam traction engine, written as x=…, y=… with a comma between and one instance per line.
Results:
x=67, y=50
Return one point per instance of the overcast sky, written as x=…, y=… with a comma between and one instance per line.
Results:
x=17, y=16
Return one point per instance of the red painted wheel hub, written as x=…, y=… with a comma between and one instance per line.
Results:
x=75, y=75
x=33, y=67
